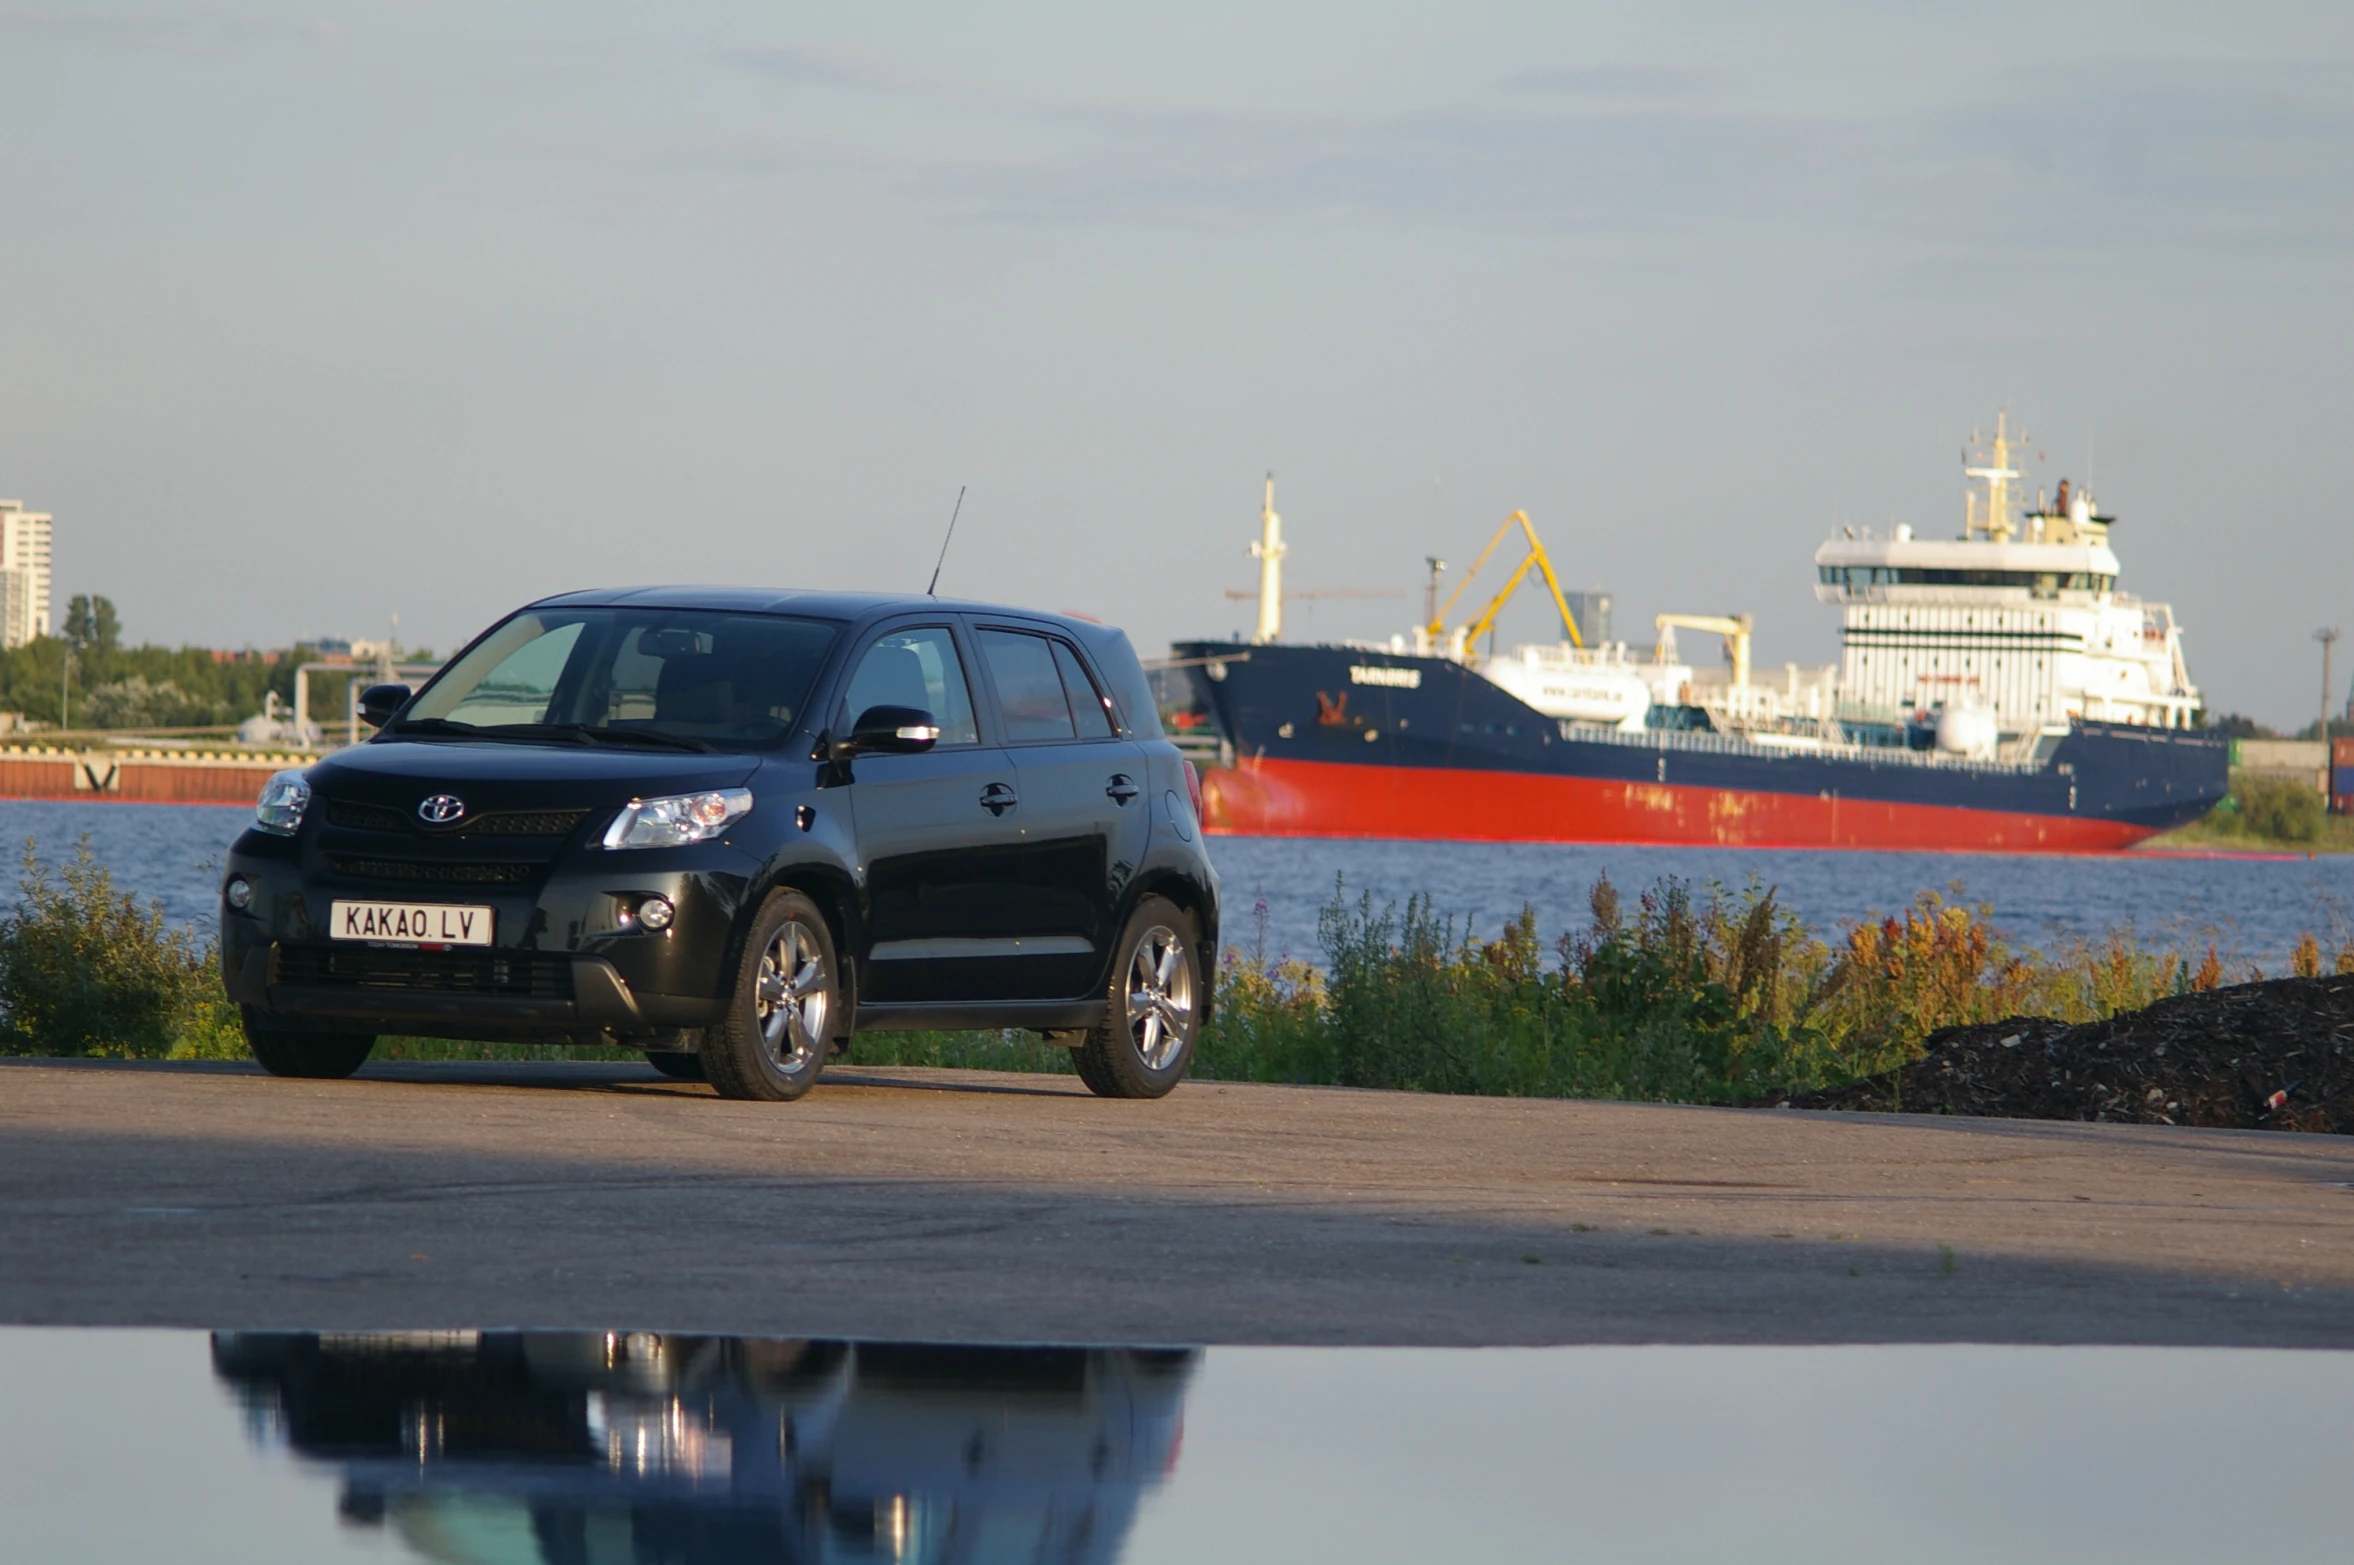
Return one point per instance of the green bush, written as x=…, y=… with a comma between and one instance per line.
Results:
x=87, y=970
x=2280, y=808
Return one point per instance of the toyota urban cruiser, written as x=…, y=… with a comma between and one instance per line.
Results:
x=732, y=828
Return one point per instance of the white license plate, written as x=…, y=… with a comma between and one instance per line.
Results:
x=410, y=923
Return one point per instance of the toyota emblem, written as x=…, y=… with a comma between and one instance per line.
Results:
x=443, y=809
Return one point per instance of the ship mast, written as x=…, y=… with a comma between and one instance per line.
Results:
x=1269, y=552
x=1999, y=475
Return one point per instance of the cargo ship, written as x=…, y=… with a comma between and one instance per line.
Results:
x=1996, y=692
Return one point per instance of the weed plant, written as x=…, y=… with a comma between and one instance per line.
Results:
x=1691, y=995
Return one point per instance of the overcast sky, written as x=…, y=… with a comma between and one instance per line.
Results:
x=310, y=313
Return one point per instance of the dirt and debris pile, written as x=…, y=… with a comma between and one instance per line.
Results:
x=2264, y=1056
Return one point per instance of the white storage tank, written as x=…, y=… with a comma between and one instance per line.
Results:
x=1968, y=730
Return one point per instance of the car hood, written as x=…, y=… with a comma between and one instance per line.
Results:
x=400, y=772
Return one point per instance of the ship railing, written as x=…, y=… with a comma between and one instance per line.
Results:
x=1735, y=744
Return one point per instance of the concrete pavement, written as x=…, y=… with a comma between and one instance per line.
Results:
x=962, y=1205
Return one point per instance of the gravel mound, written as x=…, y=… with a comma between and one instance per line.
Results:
x=2267, y=1056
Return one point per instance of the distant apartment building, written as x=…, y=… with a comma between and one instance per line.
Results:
x=24, y=573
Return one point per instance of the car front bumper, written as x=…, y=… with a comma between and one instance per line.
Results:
x=568, y=963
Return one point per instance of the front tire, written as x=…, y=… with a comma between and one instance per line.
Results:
x=1155, y=1006
x=783, y=1007
x=305, y=1055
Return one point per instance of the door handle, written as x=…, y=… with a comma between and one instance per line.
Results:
x=998, y=798
x=1122, y=788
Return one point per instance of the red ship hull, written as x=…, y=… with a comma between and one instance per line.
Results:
x=1282, y=798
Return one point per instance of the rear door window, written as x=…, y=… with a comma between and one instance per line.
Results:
x=1030, y=696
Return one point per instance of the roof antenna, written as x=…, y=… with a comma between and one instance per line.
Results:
x=933, y=591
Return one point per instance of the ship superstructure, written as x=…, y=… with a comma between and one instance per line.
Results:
x=2019, y=616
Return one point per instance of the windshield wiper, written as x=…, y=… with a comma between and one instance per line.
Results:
x=596, y=734
x=446, y=728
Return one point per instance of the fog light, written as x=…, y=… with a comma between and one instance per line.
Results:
x=655, y=913
x=239, y=892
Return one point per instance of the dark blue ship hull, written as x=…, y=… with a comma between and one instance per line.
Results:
x=1338, y=741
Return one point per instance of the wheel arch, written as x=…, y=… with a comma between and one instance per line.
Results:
x=1198, y=901
x=836, y=895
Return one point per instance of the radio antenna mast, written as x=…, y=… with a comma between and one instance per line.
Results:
x=933, y=590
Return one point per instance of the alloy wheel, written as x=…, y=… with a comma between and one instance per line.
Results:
x=792, y=998
x=1160, y=996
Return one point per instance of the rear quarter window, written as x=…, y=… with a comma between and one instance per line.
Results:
x=1131, y=692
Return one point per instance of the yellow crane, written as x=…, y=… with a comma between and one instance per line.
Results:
x=1734, y=628
x=1475, y=628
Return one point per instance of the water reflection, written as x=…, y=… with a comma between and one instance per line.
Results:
x=590, y=1448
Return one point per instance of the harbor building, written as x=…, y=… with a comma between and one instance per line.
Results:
x=1592, y=611
x=24, y=573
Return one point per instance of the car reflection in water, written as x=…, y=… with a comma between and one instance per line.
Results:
x=592, y=1448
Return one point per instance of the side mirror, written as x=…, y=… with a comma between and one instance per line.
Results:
x=891, y=730
x=379, y=702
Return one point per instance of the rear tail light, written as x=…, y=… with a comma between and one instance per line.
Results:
x=1193, y=789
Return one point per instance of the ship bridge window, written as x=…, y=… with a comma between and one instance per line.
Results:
x=2042, y=583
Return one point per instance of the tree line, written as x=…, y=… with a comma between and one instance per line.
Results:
x=83, y=677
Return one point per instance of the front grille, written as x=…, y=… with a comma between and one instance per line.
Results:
x=534, y=975
x=355, y=816
x=364, y=817
x=431, y=872
x=523, y=823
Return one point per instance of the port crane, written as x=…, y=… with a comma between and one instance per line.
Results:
x=1735, y=628
x=1485, y=621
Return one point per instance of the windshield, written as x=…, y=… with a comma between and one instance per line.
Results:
x=664, y=676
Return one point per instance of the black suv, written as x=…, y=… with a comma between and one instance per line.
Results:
x=731, y=828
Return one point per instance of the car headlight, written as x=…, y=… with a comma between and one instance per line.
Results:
x=284, y=798
x=679, y=819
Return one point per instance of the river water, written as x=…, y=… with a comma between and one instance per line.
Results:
x=2252, y=908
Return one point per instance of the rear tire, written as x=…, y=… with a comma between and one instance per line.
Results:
x=783, y=1008
x=309, y=1056
x=1154, y=1007
x=678, y=1067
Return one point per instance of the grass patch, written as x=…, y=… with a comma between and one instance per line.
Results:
x=466, y=1049
x=1001, y=1051
x=1007, y=1050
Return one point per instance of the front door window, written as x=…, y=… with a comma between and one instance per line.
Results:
x=917, y=668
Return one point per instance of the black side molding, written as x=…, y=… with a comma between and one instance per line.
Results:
x=952, y=1016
